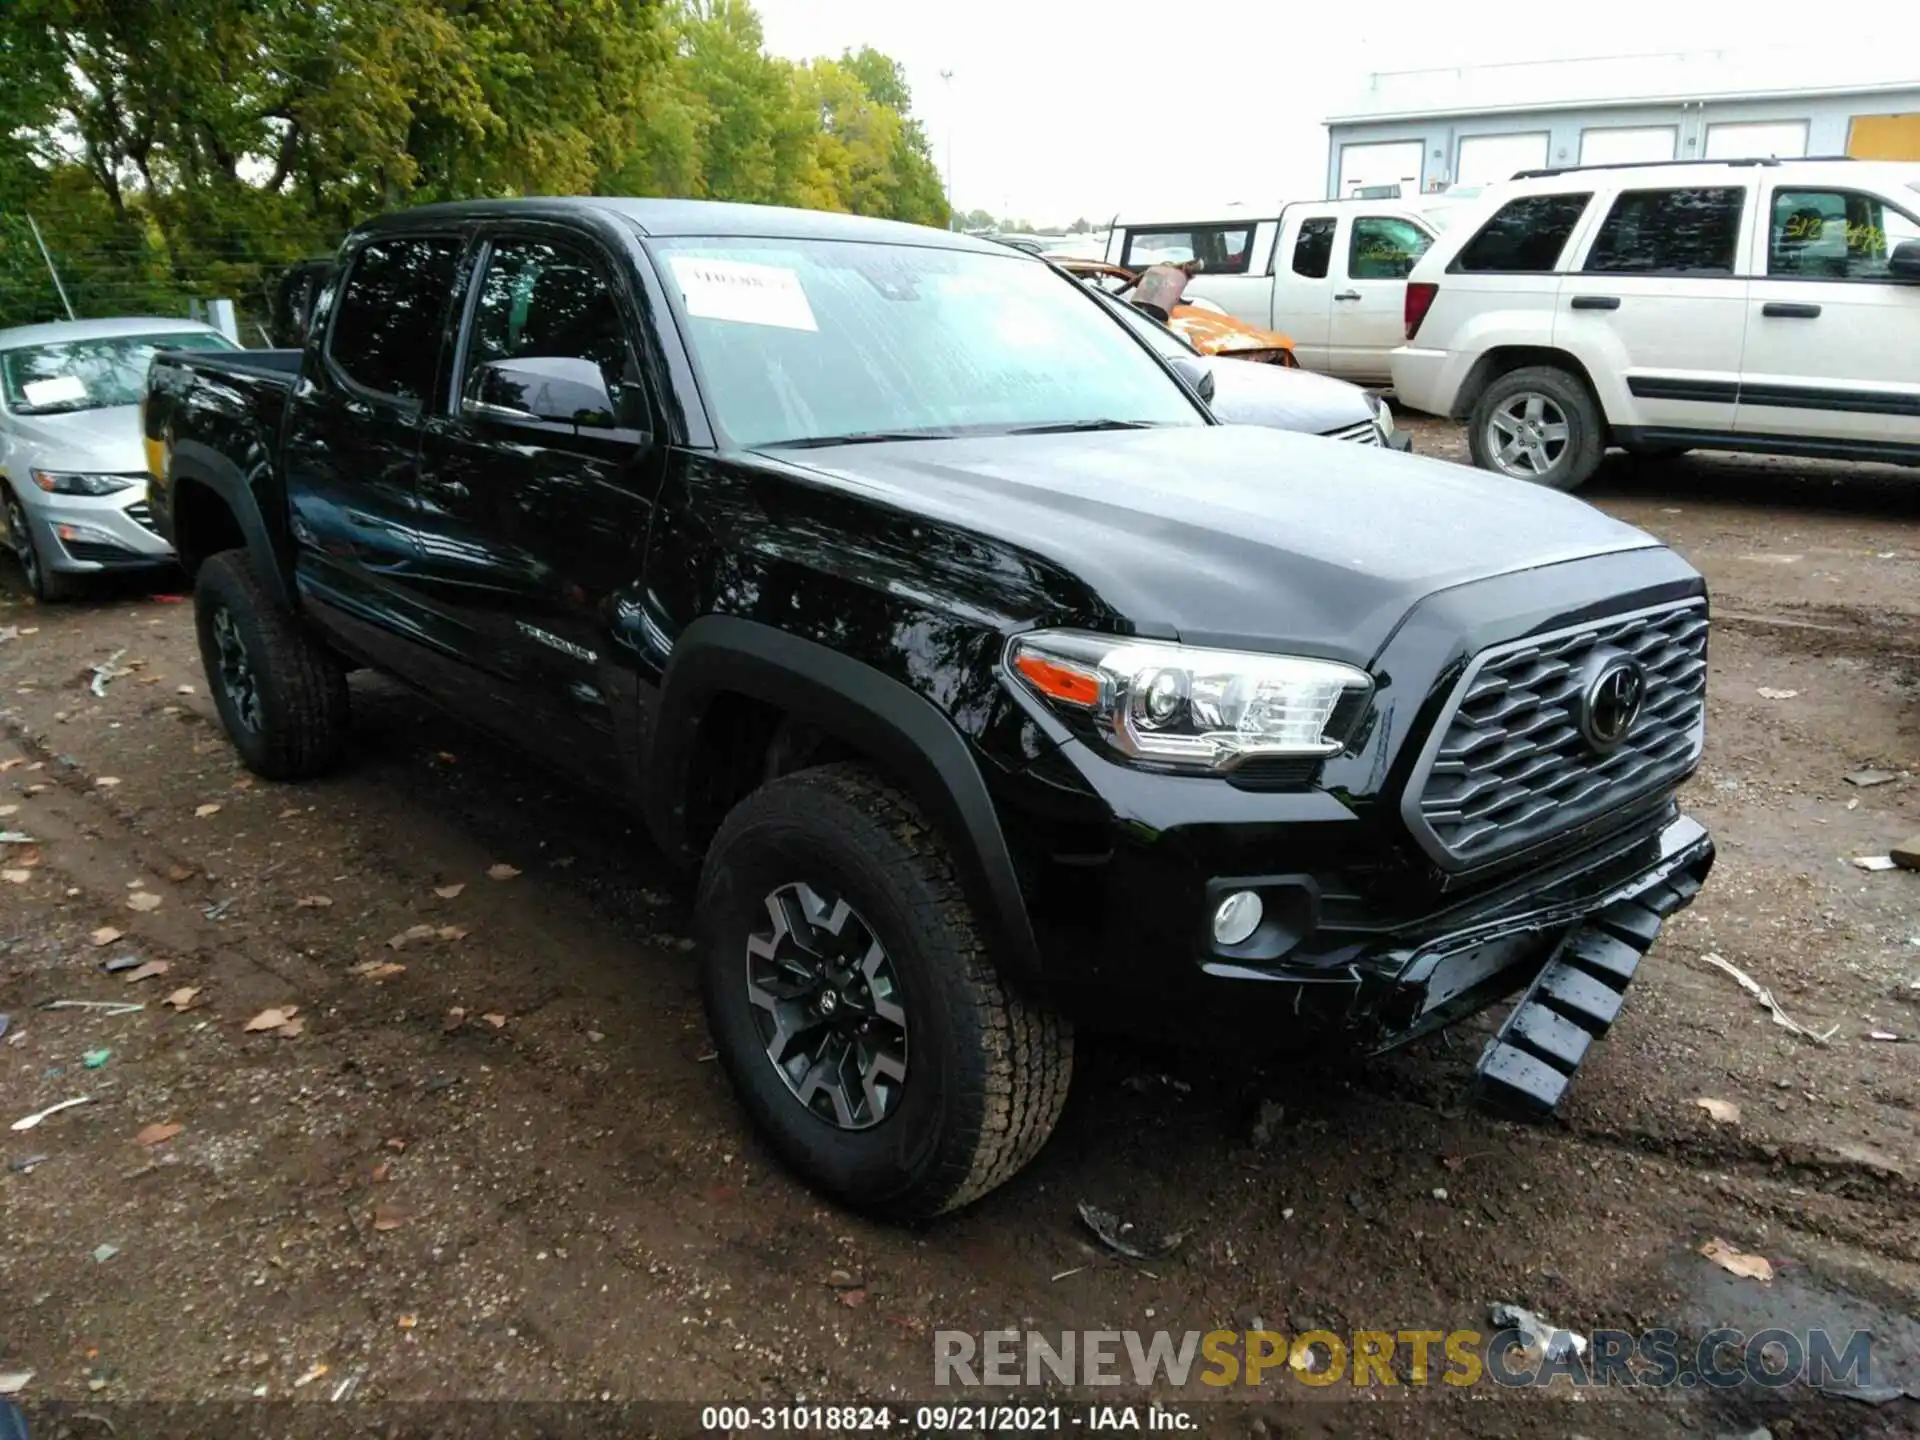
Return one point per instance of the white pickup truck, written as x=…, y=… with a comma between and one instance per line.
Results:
x=1330, y=274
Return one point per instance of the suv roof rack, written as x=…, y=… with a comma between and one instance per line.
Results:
x=1670, y=164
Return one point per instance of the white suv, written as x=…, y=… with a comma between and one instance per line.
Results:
x=1761, y=305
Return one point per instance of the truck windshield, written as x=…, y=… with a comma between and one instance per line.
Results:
x=812, y=341
x=90, y=374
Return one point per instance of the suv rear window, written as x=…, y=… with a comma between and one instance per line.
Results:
x=1525, y=236
x=1670, y=232
x=386, y=332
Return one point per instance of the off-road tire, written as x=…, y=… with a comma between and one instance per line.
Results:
x=987, y=1069
x=1587, y=427
x=302, y=686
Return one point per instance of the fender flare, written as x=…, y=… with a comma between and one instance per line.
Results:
x=203, y=465
x=915, y=743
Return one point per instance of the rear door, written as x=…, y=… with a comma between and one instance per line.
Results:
x=1374, y=253
x=532, y=530
x=352, y=439
x=1833, y=340
x=1303, y=282
x=1655, y=305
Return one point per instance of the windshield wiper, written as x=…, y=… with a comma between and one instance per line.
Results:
x=1068, y=427
x=858, y=437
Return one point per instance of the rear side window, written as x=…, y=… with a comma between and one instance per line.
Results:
x=386, y=330
x=1384, y=248
x=1525, y=236
x=1670, y=232
x=1219, y=249
x=1313, y=250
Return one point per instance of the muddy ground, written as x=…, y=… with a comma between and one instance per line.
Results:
x=511, y=1171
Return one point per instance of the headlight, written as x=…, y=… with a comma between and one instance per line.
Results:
x=1382, y=414
x=59, y=482
x=1204, y=710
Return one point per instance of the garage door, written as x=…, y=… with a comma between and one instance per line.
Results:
x=1627, y=144
x=1487, y=158
x=1884, y=137
x=1782, y=140
x=1368, y=167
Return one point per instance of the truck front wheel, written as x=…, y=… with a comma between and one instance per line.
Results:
x=855, y=1008
x=281, y=695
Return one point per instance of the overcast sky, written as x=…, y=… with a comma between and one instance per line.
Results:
x=1060, y=108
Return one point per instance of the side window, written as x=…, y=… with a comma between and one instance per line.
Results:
x=1834, y=234
x=1525, y=236
x=1218, y=249
x=1384, y=248
x=386, y=327
x=1313, y=248
x=1670, y=232
x=551, y=301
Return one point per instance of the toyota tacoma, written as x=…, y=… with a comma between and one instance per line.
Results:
x=987, y=685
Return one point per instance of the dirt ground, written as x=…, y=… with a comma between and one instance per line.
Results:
x=510, y=1171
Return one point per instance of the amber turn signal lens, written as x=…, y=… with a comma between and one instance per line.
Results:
x=1059, y=682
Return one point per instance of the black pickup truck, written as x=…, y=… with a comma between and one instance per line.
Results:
x=989, y=686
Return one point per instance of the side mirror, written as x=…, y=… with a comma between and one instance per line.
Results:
x=542, y=387
x=1904, y=262
x=1196, y=372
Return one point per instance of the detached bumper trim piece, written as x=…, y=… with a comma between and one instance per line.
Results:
x=1571, y=1003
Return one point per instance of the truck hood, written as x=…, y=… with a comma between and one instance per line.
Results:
x=1233, y=535
x=1287, y=399
x=105, y=440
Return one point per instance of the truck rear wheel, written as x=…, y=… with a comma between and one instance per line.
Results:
x=281, y=695
x=855, y=1008
x=1538, y=424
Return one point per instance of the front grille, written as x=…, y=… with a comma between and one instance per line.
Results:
x=1510, y=767
x=141, y=514
x=1364, y=433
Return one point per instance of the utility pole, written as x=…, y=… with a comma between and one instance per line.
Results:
x=59, y=289
x=946, y=80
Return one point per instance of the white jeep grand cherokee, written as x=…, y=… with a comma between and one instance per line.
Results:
x=1760, y=305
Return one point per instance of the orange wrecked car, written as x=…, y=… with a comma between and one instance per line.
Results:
x=1208, y=329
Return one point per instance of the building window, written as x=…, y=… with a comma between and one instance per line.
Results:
x=1670, y=232
x=1525, y=236
x=1760, y=140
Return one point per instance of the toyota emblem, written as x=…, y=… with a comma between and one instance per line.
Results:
x=1612, y=703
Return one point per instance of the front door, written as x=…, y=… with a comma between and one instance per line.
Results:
x=1657, y=305
x=534, y=530
x=1833, y=340
x=1367, y=321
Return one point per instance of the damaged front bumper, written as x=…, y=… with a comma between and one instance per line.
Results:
x=1567, y=939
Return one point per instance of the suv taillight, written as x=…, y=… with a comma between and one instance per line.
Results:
x=1420, y=295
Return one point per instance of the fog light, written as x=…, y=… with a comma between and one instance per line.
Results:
x=1237, y=918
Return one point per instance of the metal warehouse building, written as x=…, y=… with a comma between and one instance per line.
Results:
x=1429, y=130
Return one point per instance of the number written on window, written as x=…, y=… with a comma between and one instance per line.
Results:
x=386, y=332
x=1384, y=248
x=1835, y=234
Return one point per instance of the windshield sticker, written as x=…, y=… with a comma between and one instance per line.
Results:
x=57, y=391
x=743, y=292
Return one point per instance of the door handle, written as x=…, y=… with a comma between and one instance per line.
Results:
x=1347, y=295
x=1596, y=302
x=1782, y=310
